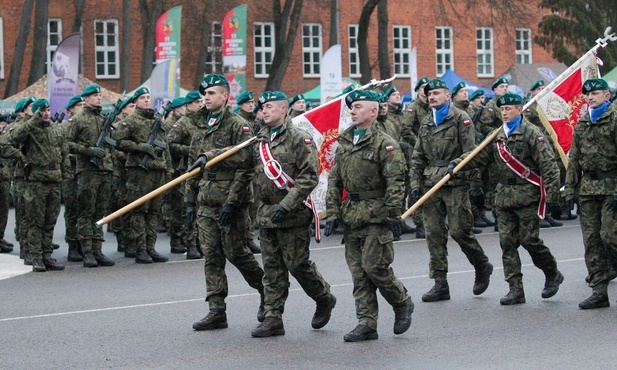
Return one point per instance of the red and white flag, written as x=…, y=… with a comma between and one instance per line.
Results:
x=324, y=124
x=561, y=108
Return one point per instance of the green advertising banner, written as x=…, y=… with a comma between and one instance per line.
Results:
x=234, y=50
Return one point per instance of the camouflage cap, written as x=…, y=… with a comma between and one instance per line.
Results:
x=594, y=84
x=141, y=91
x=476, y=94
x=91, y=89
x=24, y=103
x=499, y=81
x=536, y=84
x=364, y=95
x=510, y=98
x=244, y=97
x=74, y=100
x=296, y=98
x=40, y=104
x=434, y=84
x=177, y=103
x=390, y=90
x=192, y=96
x=126, y=102
x=460, y=85
x=212, y=80
x=267, y=96
x=422, y=81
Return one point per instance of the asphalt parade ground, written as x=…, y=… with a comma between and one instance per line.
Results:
x=133, y=316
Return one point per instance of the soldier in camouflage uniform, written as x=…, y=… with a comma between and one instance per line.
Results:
x=370, y=166
x=46, y=162
x=592, y=176
x=133, y=136
x=440, y=140
x=7, y=153
x=284, y=221
x=297, y=106
x=71, y=205
x=223, y=202
x=180, y=137
x=94, y=167
x=516, y=199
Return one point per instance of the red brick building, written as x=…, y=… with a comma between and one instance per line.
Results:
x=474, y=45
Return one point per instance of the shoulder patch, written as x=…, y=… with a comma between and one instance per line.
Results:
x=541, y=139
x=490, y=109
x=389, y=148
x=308, y=141
x=467, y=122
x=70, y=120
x=174, y=126
x=245, y=128
x=124, y=124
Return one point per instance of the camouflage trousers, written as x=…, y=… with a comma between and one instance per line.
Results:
x=4, y=205
x=142, y=221
x=40, y=216
x=599, y=227
x=369, y=252
x=93, y=192
x=19, y=187
x=518, y=227
x=71, y=209
x=176, y=216
x=453, y=202
x=225, y=243
x=286, y=251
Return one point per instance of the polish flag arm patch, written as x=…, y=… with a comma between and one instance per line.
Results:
x=467, y=122
x=541, y=139
x=124, y=124
x=389, y=148
x=308, y=141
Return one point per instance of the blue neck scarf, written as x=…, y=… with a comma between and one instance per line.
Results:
x=595, y=113
x=440, y=113
x=513, y=125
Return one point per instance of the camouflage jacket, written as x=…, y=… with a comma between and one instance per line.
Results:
x=464, y=105
x=373, y=175
x=180, y=137
x=64, y=129
x=592, y=169
x=530, y=146
x=46, y=152
x=437, y=146
x=490, y=118
x=134, y=130
x=8, y=153
x=417, y=111
x=248, y=116
x=84, y=132
x=169, y=122
x=228, y=180
x=17, y=165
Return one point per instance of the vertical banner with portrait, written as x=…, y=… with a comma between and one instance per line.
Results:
x=62, y=78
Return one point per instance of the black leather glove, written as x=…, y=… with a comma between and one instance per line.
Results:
x=146, y=149
x=553, y=208
x=615, y=203
x=191, y=215
x=414, y=195
x=227, y=213
x=96, y=152
x=200, y=162
x=331, y=226
x=476, y=196
x=278, y=214
x=396, y=226
x=450, y=169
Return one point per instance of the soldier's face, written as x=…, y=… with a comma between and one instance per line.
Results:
x=300, y=105
x=383, y=109
x=537, y=90
x=597, y=98
x=510, y=112
x=143, y=101
x=501, y=89
x=129, y=109
x=363, y=113
x=46, y=114
x=462, y=95
x=438, y=97
x=420, y=94
x=395, y=98
x=76, y=108
x=215, y=98
x=248, y=106
x=93, y=100
x=274, y=113
x=28, y=111
x=180, y=111
x=194, y=106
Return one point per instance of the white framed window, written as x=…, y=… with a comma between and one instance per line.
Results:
x=1, y=49
x=401, y=38
x=484, y=51
x=214, y=57
x=523, y=46
x=263, y=41
x=354, y=55
x=54, y=36
x=311, y=49
x=106, y=49
x=444, y=52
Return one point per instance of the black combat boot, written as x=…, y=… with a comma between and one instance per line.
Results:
x=156, y=256
x=215, y=319
x=408, y=229
x=89, y=260
x=483, y=278
x=420, y=233
x=55, y=246
x=544, y=224
x=102, y=259
x=552, y=221
x=38, y=265
x=476, y=230
x=439, y=292
x=270, y=327
x=254, y=248
x=192, y=253
x=597, y=300
x=130, y=251
x=27, y=258
x=178, y=249
x=6, y=243
x=143, y=257
x=74, y=255
x=479, y=222
x=516, y=295
x=323, y=312
x=52, y=264
x=551, y=285
x=487, y=221
x=360, y=333
x=5, y=248
x=402, y=317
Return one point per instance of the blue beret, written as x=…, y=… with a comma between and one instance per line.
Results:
x=125, y=102
x=510, y=98
x=177, y=103
x=142, y=90
x=74, y=100
x=390, y=90
x=40, y=104
x=192, y=96
x=364, y=95
x=594, y=84
x=434, y=84
x=499, y=81
x=476, y=93
x=24, y=103
x=536, y=84
x=212, y=80
x=91, y=89
x=460, y=85
x=296, y=98
x=244, y=97
x=422, y=81
x=267, y=96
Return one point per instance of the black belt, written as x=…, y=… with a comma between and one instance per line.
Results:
x=440, y=163
x=361, y=195
x=213, y=176
x=513, y=181
x=595, y=175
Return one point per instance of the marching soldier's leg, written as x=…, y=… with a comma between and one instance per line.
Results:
x=176, y=221
x=509, y=241
x=437, y=238
x=52, y=197
x=5, y=247
x=71, y=213
x=153, y=214
x=33, y=219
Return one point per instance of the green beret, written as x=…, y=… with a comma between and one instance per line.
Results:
x=476, y=93
x=244, y=97
x=257, y=107
x=390, y=90
x=142, y=90
x=594, y=84
x=91, y=89
x=460, y=85
x=192, y=96
x=434, y=84
x=383, y=98
x=74, y=100
x=267, y=96
x=349, y=88
x=125, y=102
x=212, y=80
x=614, y=97
x=296, y=98
x=24, y=103
x=364, y=95
x=510, y=98
x=422, y=81
x=40, y=104
x=499, y=81
x=536, y=84
x=177, y=103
